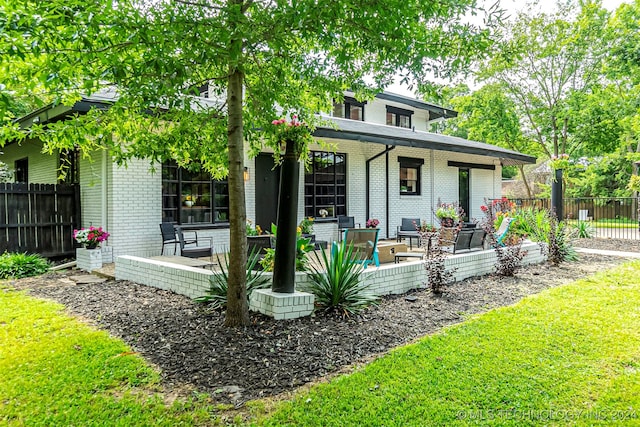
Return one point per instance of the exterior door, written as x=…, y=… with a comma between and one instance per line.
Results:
x=464, y=184
x=267, y=190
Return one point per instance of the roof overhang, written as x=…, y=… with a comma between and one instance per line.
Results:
x=353, y=130
x=435, y=111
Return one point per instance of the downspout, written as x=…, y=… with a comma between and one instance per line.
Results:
x=432, y=163
x=104, y=216
x=368, y=184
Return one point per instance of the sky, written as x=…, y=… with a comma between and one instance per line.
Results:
x=512, y=7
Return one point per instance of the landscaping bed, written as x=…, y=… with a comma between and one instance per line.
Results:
x=195, y=352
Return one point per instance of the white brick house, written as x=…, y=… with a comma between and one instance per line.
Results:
x=387, y=167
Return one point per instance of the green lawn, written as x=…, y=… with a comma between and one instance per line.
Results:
x=608, y=223
x=55, y=371
x=569, y=356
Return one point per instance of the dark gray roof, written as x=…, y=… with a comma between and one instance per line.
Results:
x=435, y=111
x=390, y=135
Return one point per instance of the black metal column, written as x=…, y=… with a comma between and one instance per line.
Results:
x=284, y=265
x=556, y=195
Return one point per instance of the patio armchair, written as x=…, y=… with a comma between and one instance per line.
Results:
x=365, y=244
x=195, y=249
x=466, y=239
x=169, y=236
x=502, y=231
x=408, y=230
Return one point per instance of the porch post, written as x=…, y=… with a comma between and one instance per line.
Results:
x=556, y=195
x=284, y=264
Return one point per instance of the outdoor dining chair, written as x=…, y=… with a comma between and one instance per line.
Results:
x=365, y=244
x=195, y=249
x=345, y=222
x=169, y=237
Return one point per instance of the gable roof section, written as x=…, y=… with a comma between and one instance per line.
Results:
x=354, y=130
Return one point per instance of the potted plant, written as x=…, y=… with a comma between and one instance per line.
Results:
x=372, y=223
x=90, y=237
x=306, y=227
x=448, y=214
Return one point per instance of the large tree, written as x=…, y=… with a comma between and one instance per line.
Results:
x=261, y=58
x=549, y=64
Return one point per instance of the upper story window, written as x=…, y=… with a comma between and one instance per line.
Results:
x=349, y=109
x=193, y=197
x=399, y=117
x=204, y=90
x=410, y=175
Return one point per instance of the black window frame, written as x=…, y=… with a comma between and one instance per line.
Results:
x=397, y=114
x=174, y=202
x=21, y=170
x=318, y=190
x=410, y=163
x=347, y=104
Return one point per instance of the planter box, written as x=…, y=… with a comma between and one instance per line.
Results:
x=89, y=259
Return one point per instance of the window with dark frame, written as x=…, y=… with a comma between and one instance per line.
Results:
x=21, y=168
x=349, y=109
x=325, y=185
x=399, y=117
x=193, y=197
x=410, y=173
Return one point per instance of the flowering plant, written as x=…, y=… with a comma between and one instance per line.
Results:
x=306, y=225
x=372, y=223
x=447, y=210
x=251, y=230
x=497, y=210
x=91, y=237
x=293, y=131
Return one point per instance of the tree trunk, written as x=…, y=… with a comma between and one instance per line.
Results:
x=284, y=264
x=524, y=180
x=237, y=309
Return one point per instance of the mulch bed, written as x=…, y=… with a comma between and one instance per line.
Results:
x=194, y=351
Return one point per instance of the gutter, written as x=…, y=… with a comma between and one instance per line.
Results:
x=368, y=184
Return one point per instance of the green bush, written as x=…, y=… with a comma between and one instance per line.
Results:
x=335, y=281
x=583, y=230
x=16, y=265
x=532, y=223
x=218, y=283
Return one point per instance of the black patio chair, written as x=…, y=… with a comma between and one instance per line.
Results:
x=408, y=230
x=169, y=237
x=195, y=249
x=345, y=222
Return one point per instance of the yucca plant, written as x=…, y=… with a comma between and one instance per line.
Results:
x=336, y=281
x=17, y=265
x=218, y=283
x=583, y=230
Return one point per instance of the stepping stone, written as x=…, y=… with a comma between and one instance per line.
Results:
x=85, y=279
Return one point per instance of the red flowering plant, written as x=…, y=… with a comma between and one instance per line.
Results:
x=496, y=210
x=90, y=237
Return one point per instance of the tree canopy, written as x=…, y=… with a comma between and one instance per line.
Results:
x=261, y=59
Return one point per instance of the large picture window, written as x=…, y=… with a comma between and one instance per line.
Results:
x=193, y=197
x=410, y=175
x=325, y=185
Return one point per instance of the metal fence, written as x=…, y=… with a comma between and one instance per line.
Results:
x=610, y=217
x=39, y=218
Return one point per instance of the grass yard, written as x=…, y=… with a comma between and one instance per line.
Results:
x=568, y=356
x=55, y=371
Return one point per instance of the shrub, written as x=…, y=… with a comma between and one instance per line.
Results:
x=335, y=281
x=532, y=223
x=509, y=253
x=16, y=265
x=218, y=283
x=437, y=275
x=557, y=242
x=583, y=230
x=303, y=246
x=509, y=257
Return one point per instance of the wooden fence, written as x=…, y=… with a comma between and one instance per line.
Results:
x=39, y=218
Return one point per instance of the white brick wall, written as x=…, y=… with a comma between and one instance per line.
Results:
x=386, y=280
x=42, y=168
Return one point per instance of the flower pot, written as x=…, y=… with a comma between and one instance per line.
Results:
x=447, y=222
x=89, y=259
x=92, y=245
x=188, y=203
